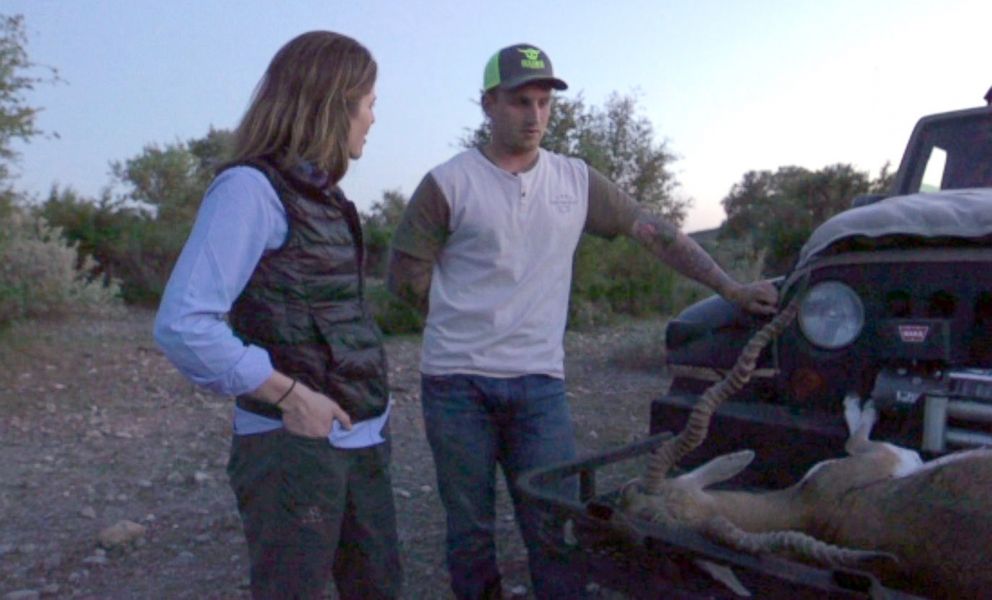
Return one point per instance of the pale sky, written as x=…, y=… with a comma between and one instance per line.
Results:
x=732, y=86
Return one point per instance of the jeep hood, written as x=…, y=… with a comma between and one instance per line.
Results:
x=963, y=213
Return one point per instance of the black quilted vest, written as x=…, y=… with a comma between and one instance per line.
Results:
x=305, y=302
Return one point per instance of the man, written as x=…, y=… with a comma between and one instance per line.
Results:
x=486, y=244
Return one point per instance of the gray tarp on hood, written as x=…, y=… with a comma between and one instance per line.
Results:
x=953, y=213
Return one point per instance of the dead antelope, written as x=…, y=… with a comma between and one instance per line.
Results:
x=922, y=527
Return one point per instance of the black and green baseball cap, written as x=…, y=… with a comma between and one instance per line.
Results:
x=518, y=64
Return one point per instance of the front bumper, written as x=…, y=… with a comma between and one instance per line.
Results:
x=956, y=405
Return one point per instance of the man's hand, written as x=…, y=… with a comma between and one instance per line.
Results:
x=759, y=297
x=311, y=414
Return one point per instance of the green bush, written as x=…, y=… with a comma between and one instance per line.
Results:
x=393, y=316
x=38, y=275
x=125, y=244
x=136, y=234
x=143, y=258
x=617, y=277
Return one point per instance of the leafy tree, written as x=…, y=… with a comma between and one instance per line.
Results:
x=38, y=277
x=18, y=74
x=386, y=212
x=171, y=179
x=378, y=226
x=93, y=226
x=886, y=177
x=136, y=235
x=619, y=143
x=777, y=211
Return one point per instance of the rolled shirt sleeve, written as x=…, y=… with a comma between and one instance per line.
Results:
x=241, y=217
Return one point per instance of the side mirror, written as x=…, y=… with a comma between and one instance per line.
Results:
x=866, y=199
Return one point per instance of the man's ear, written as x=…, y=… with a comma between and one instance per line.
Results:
x=487, y=100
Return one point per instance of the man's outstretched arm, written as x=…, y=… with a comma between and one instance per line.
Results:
x=612, y=212
x=686, y=256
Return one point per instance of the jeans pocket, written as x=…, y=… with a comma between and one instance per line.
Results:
x=301, y=456
x=310, y=478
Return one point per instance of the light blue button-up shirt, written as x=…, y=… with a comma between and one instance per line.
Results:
x=241, y=217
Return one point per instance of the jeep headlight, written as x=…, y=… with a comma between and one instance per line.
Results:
x=831, y=315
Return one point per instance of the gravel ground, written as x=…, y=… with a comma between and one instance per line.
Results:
x=98, y=429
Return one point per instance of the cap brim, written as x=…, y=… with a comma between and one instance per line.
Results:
x=511, y=84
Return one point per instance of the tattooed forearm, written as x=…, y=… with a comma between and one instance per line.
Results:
x=680, y=251
x=654, y=232
x=409, y=278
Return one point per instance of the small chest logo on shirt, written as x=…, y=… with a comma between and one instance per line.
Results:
x=564, y=203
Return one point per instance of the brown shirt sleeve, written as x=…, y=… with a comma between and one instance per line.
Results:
x=417, y=242
x=423, y=230
x=612, y=211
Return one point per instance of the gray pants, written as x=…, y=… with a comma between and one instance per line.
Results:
x=310, y=511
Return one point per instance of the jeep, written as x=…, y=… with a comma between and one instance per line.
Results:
x=896, y=308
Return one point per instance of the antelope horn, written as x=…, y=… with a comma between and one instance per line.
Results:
x=661, y=461
x=796, y=543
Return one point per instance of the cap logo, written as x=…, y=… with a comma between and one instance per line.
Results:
x=532, y=58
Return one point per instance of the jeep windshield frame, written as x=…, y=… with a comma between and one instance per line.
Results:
x=964, y=138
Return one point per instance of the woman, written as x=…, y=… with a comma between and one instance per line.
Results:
x=266, y=303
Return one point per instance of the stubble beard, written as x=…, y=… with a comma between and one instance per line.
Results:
x=524, y=144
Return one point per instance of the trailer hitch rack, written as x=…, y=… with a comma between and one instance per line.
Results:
x=647, y=560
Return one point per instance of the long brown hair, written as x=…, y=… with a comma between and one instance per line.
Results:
x=300, y=109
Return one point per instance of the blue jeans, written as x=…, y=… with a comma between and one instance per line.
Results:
x=474, y=423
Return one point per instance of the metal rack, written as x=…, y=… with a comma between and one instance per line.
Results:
x=648, y=560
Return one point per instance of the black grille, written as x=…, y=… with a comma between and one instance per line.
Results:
x=958, y=293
